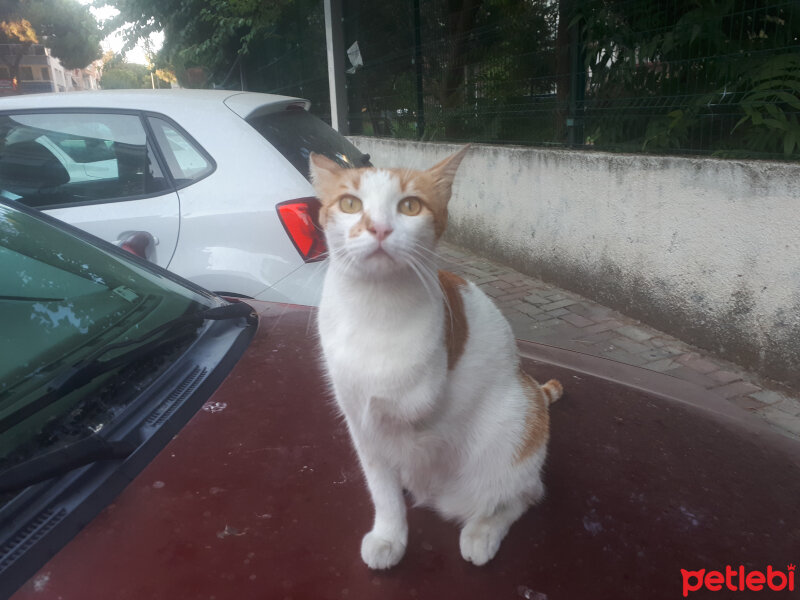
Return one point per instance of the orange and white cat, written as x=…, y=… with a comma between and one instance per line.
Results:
x=423, y=365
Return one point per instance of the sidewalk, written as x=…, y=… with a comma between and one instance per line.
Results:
x=544, y=313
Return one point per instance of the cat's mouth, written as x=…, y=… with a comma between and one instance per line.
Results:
x=380, y=251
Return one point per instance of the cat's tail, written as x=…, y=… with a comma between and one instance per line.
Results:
x=553, y=390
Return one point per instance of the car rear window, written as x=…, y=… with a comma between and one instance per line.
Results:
x=296, y=134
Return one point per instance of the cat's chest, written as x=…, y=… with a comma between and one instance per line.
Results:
x=393, y=341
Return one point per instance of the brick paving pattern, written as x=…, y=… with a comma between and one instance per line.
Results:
x=544, y=313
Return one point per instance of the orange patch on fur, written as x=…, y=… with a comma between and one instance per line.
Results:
x=422, y=184
x=330, y=187
x=455, y=318
x=537, y=420
x=363, y=224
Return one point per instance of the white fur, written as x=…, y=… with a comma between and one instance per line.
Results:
x=450, y=437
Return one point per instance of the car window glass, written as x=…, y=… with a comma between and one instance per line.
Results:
x=296, y=134
x=58, y=159
x=186, y=161
x=61, y=300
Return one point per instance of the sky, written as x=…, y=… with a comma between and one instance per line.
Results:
x=114, y=42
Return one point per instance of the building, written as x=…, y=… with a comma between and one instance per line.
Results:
x=39, y=72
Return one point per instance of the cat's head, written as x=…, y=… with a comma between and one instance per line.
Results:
x=377, y=221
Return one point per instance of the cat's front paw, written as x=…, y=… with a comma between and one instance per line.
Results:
x=480, y=541
x=380, y=552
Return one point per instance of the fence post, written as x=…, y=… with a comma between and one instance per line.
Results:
x=418, y=69
x=577, y=86
x=334, y=38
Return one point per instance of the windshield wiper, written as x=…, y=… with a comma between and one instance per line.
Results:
x=63, y=460
x=90, y=367
x=84, y=371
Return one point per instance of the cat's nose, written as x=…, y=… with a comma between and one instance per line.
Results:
x=380, y=231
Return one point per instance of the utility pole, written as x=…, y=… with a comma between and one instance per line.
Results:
x=334, y=37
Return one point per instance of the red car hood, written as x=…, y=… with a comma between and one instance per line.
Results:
x=260, y=496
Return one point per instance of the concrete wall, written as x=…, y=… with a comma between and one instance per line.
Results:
x=707, y=250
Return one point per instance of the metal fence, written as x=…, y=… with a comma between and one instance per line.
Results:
x=718, y=77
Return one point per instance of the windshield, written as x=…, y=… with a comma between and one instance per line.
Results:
x=63, y=301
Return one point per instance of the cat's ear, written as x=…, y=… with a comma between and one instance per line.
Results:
x=444, y=172
x=322, y=169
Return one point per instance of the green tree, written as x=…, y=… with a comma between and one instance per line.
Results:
x=119, y=74
x=662, y=72
x=64, y=26
x=212, y=34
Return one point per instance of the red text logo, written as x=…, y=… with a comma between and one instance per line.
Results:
x=738, y=580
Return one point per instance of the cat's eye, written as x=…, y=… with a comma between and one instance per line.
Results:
x=410, y=206
x=350, y=204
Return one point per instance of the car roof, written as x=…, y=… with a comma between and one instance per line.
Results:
x=244, y=104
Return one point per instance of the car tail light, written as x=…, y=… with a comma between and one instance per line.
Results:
x=300, y=220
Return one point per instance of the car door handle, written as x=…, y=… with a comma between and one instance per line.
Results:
x=140, y=243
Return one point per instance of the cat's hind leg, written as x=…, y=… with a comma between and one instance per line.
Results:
x=481, y=535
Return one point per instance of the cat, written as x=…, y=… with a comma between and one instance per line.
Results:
x=422, y=364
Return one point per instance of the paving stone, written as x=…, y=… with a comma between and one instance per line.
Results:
x=512, y=296
x=629, y=345
x=562, y=330
x=781, y=420
x=747, y=403
x=737, y=388
x=605, y=326
x=520, y=324
x=537, y=299
x=661, y=365
x=513, y=277
x=698, y=363
x=543, y=316
x=559, y=312
x=725, y=377
x=599, y=337
x=624, y=356
x=473, y=272
x=557, y=304
x=595, y=312
x=656, y=354
x=529, y=309
x=577, y=320
x=674, y=347
x=769, y=396
x=492, y=291
x=548, y=323
x=479, y=281
x=637, y=334
x=788, y=406
x=687, y=374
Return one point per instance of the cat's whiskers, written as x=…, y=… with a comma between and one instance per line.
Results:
x=434, y=255
x=421, y=272
x=342, y=259
x=434, y=274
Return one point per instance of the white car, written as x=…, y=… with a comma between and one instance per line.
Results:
x=211, y=184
